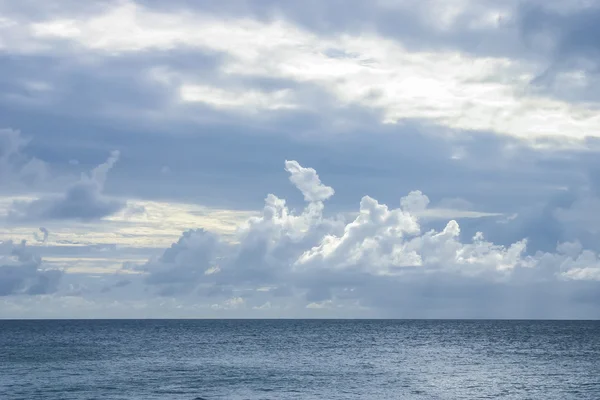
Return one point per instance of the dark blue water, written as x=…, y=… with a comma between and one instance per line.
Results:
x=294, y=359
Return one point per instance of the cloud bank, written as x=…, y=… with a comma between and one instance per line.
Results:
x=382, y=258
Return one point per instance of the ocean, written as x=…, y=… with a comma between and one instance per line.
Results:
x=299, y=359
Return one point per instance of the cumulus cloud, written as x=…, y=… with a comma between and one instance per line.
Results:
x=183, y=265
x=361, y=262
x=23, y=272
x=83, y=200
x=308, y=182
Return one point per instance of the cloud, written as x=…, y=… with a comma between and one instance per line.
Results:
x=23, y=272
x=45, y=234
x=84, y=200
x=566, y=35
x=183, y=265
x=232, y=303
x=433, y=96
x=362, y=262
x=465, y=91
x=308, y=182
x=15, y=165
x=122, y=283
x=251, y=100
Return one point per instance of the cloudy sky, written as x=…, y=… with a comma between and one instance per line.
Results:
x=261, y=158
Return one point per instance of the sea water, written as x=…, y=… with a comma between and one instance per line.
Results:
x=299, y=359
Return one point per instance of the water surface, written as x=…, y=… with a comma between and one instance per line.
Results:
x=299, y=359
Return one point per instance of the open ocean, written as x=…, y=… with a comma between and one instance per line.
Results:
x=299, y=359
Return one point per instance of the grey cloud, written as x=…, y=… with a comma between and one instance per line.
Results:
x=413, y=25
x=122, y=283
x=566, y=215
x=15, y=165
x=135, y=210
x=10, y=143
x=238, y=179
x=571, y=24
x=377, y=164
x=184, y=264
x=84, y=200
x=569, y=39
x=573, y=30
x=34, y=171
x=216, y=291
x=381, y=161
x=119, y=284
x=23, y=272
x=448, y=297
x=386, y=163
x=44, y=237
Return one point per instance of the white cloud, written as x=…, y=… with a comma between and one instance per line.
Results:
x=212, y=270
x=415, y=202
x=585, y=274
x=320, y=305
x=308, y=182
x=330, y=263
x=284, y=262
x=265, y=306
x=233, y=303
x=250, y=100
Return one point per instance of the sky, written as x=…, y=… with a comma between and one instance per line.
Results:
x=315, y=159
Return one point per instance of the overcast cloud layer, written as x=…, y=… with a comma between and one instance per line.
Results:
x=300, y=159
